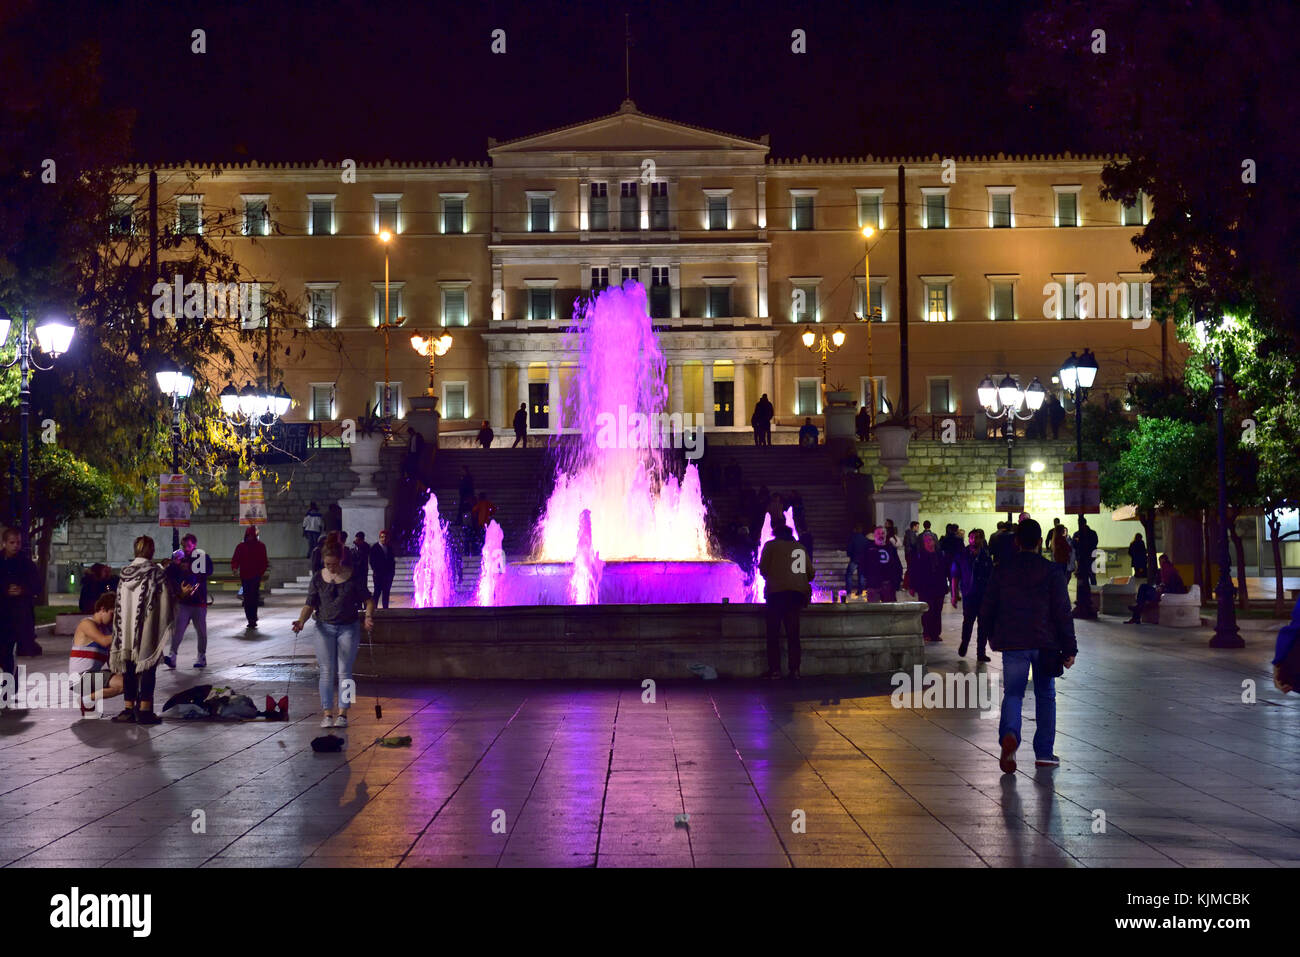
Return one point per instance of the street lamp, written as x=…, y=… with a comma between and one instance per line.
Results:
x=869, y=316
x=1078, y=373
x=53, y=337
x=825, y=347
x=386, y=237
x=254, y=406
x=433, y=348
x=176, y=385
x=1005, y=400
x=1226, y=634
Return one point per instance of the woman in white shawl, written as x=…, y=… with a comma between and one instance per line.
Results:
x=142, y=631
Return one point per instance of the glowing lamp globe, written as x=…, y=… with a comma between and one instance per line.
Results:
x=54, y=337
x=988, y=393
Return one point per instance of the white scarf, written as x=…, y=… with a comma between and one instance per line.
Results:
x=144, y=618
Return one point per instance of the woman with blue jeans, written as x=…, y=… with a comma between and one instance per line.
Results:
x=336, y=595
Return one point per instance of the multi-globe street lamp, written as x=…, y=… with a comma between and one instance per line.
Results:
x=1226, y=633
x=824, y=347
x=432, y=348
x=1005, y=401
x=1078, y=373
x=53, y=337
x=254, y=406
x=176, y=385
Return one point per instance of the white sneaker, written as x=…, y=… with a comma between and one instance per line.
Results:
x=341, y=721
x=327, y=722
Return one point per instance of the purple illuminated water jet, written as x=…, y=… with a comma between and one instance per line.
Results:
x=432, y=573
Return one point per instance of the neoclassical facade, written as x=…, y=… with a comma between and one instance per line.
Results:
x=738, y=252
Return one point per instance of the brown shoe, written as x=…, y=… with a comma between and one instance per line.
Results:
x=1008, y=760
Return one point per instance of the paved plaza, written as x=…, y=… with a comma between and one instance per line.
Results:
x=1162, y=765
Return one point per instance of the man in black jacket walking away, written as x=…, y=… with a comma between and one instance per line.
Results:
x=384, y=565
x=521, y=425
x=1026, y=613
x=973, y=566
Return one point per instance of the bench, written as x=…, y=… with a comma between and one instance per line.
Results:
x=1176, y=611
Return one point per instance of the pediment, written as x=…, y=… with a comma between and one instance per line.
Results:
x=626, y=130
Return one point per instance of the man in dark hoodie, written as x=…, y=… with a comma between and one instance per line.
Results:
x=881, y=571
x=853, y=571
x=1026, y=613
x=974, y=567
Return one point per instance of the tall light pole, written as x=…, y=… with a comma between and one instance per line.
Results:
x=176, y=385
x=1078, y=373
x=53, y=337
x=825, y=347
x=869, y=316
x=1005, y=400
x=1226, y=633
x=386, y=237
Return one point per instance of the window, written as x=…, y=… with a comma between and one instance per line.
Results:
x=803, y=301
x=870, y=212
x=599, y=278
x=1000, y=214
x=936, y=301
x=877, y=299
x=719, y=207
x=540, y=211
x=940, y=389
x=629, y=207
x=719, y=302
x=599, y=208
x=394, y=408
x=453, y=212
x=661, y=293
x=541, y=303
x=1132, y=212
x=659, y=205
x=257, y=220
x=121, y=219
x=1002, y=298
x=629, y=272
x=936, y=207
x=802, y=210
x=394, y=301
x=454, y=402
x=1067, y=205
x=322, y=401
x=322, y=215
x=807, y=396
x=388, y=212
x=189, y=215
x=320, y=305
x=454, y=312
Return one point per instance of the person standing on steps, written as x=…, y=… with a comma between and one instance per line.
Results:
x=763, y=415
x=485, y=435
x=361, y=556
x=192, y=604
x=313, y=524
x=521, y=425
x=143, y=621
x=250, y=564
x=466, y=489
x=787, y=574
x=1026, y=613
x=383, y=563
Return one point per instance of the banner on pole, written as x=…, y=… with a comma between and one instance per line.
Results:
x=1082, y=488
x=173, y=501
x=252, y=503
x=1010, y=491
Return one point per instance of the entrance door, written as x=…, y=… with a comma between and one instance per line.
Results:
x=539, y=416
x=723, y=393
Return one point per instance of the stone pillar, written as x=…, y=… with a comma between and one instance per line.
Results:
x=496, y=396
x=740, y=401
x=521, y=391
x=761, y=189
x=678, y=388
x=498, y=293
x=706, y=390
x=765, y=380
x=762, y=288
x=675, y=282
x=584, y=200
x=553, y=395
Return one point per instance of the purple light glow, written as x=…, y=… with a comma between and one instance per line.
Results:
x=432, y=572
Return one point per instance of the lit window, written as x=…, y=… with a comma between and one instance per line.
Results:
x=257, y=219
x=599, y=208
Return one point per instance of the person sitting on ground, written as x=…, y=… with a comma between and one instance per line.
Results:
x=485, y=435
x=1171, y=583
x=808, y=433
x=88, y=657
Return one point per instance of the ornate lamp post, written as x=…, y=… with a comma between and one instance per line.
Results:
x=1005, y=401
x=1078, y=373
x=824, y=347
x=176, y=385
x=386, y=237
x=1226, y=634
x=253, y=406
x=433, y=348
x=53, y=337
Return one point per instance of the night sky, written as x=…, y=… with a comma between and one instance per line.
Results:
x=321, y=80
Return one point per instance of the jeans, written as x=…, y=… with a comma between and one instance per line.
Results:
x=312, y=539
x=1015, y=678
x=382, y=588
x=184, y=615
x=250, y=598
x=970, y=611
x=782, y=608
x=336, y=652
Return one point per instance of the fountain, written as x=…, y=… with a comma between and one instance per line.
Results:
x=492, y=565
x=433, y=586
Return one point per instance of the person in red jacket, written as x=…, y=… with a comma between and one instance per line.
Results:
x=250, y=564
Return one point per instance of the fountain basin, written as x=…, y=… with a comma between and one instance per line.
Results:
x=626, y=583
x=635, y=642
